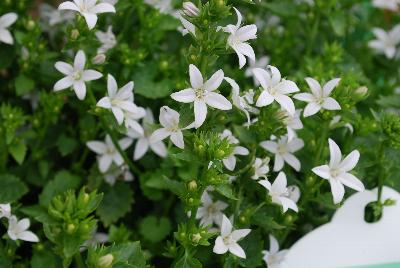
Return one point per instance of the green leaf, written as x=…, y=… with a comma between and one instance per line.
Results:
x=37, y=212
x=116, y=203
x=188, y=261
x=44, y=258
x=281, y=8
x=130, y=254
x=153, y=229
x=63, y=181
x=66, y=145
x=164, y=183
x=11, y=188
x=225, y=190
x=23, y=85
x=252, y=245
x=18, y=151
x=262, y=219
x=7, y=54
x=338, y=22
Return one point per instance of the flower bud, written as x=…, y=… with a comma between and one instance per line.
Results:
x=106, y=261
x=99, y=59
x=74, y=34
x=192, y=185
x=71, y=228
x=190, y=9
x=196, y=238
x=361, y=92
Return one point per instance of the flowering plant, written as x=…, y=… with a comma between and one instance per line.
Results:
x=162, y=133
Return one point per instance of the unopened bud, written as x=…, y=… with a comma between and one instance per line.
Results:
x=71, y=228
x=74, y=34
x=106, y=261
x=99, y=59
x=196, y=238
x=192, y=185
x=190, y=9
x=362, y=91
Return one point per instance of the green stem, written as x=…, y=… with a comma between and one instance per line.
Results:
x=382, y=173
x=79, y=261
x=113, y=137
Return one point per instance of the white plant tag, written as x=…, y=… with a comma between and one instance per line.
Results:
x=350, y=241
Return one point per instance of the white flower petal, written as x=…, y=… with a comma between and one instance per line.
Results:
x=235, y=249
x=196, y=79
x=177, y=139
x=80, y=60
x=337, y=189
x=186, y=96
x=28, y=236
x=270, y=146
x=336, y=154
x=278, y=163
x=64, y=68
x=68, y=6
x=292, y=161
x=217, y=101
x=331, y=104
x=200, y=113
x=215, y=81
x=159, y=148
x=314, y=86
x=226, y=226
x=264, y=99
x=330, y=85
x=63, y=83
x=351, y=181
x=159, y=135
x=350, y=161
x=103, y=8
x=142, y=146
x=311, y=109
x=97, y=147
x=286, y=103
x=91, y=20
x=104, y=162
x=89, y=75
x=323, y=171
x=80, y=89
x=230, y=162
x=220, y=247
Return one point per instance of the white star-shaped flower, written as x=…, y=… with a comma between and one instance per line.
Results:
x=244, y=102
x=88, y=9
x=392, y=5
x=5, y=211
x=238, y=37
x=386, y=42
x=131, y=119
x=119, y=101
x=319, y=97
x=275, y=88
x=107, y=152
x=76, y=75
x=52, y=16
x=107, y=40
x=294, y=193
x=144, y=143
x=210, y=212
x=279, y=192
x=337, y=172
x=261, y=168
x=188, y=27
x=202, y=94
x=230, y=161
x=18, y=230
x=169, y=119
x=118, y=172
x=274, y=257
x=284, y=151
x=260, y=63
x=228, y=239
x=292, y=122
x=6, y=21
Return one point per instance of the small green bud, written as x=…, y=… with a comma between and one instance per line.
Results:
x=71, y=228
x=196, y=238
x=74, y=34
x=192, y=185
x=106, y=261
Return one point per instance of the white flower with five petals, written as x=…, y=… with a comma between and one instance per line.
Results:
x=260, y=63
x=386, y=42
x=107, y=40
x=6, y=21
x=144, y=142
x=5, y=211
x=107, y=152
x=337, y=172
x=284, y=151
x=230, y=161
x=238, y=37
x=228, y=240
x=119, y=101
x=319, y=97
x=244, y=102
x=18, y=230
x=169, y=119
x=76, y=75
x=261, y=168
x=278, y=192
x=202, y=94
x=88, y=9
x=274, y=257
x=275, y=89
x=292, y=122
x=210, y=212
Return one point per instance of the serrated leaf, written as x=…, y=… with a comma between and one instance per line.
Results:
x=63, y=181
x=226, y=191
x=188, y=261
x=155, y=229
x=11, y=188
x=18, y=151
x=116, y=203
